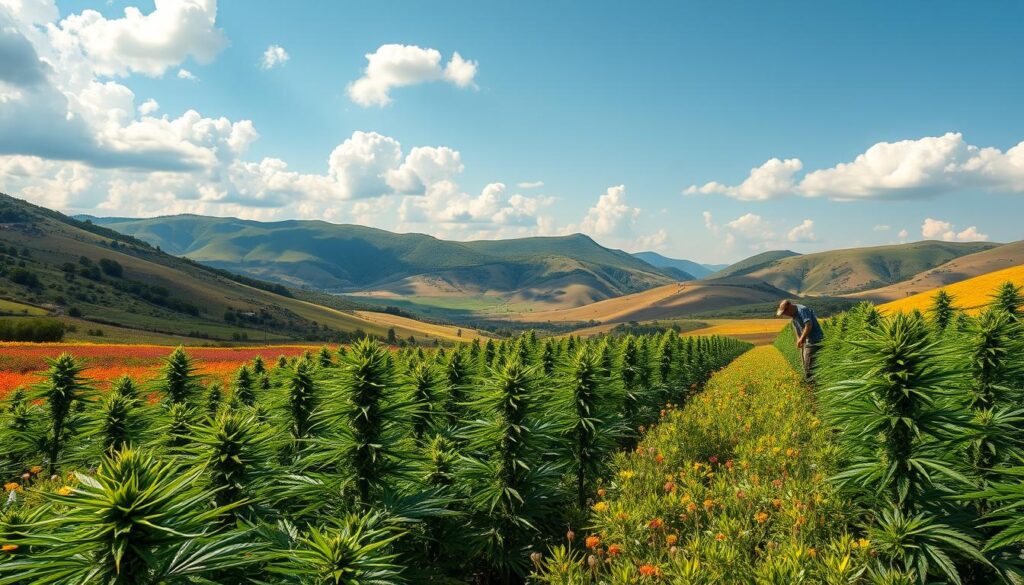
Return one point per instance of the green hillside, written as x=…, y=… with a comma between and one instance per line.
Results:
x=687, y=269
x=753, y=263
x=348, y=258
x=97, y=279
x=849, y=270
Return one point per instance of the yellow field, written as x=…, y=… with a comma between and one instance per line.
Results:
x=404, y=327
x=756, y=331
x=970, y=295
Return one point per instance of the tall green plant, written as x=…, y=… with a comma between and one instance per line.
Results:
x=63, y=391
x=1008, y=298
x=138, y=521
x=181, y=384
x=942, y=309
x=510, y=482
x=236, y=450
x=593, y=428
x=367, y=420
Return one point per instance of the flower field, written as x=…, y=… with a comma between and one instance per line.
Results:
x=730, y=488
x=21, y=364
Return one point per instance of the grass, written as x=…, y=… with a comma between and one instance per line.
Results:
x=16, y=308
x=743, y=499
x=969, y=295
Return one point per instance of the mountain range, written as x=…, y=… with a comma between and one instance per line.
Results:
x=99, y=281
x=553, y=271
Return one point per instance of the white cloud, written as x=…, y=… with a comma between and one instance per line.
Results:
x=802, y=233
x=905, y=169
x=903, y=235
x=395, y=65
x=149, y=44
x=768, y=181
x=895, y=170
x=748, y=224
x=49, y=183
x=494, y=208
x=187, y=75
x=274, y=56
x=460, y=71
x=749, y=231
x=611, y=216
x=148, y=107
x=424, y=166
x=530, y=184
x=657, y=241
x=362, y=163
x=934, y=229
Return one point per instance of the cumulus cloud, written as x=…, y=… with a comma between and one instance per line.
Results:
x=768, y=181
x=395, y=65
x=802, y=233
x=611, y=216
x=187, y=75
x=460, y=71
x=935, y=229
x=657, y=241
x=149, y=44
x=905, y=169
x=274, y=56
x=445, y=203
x=21, y=64
x=749, y=231
x=148, y=107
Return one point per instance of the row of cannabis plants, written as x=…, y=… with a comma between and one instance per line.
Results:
x=361, y=465
x=927, y=413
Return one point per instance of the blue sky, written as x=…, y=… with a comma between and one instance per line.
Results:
x=618, y=109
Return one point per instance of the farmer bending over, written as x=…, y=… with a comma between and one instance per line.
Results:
x=808, y=333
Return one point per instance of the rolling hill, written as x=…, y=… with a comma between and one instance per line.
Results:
x=553, y=271
x=672, y=301
x=92, y=276
x=970, y=295
x=955, y=270
x=687, y=268
x=848, y=270
x=753, y=263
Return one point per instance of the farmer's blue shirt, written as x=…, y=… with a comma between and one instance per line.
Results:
x=802, y=317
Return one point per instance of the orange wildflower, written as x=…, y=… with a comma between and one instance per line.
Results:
x=671, y=539
x=614, y=550
x=650, y=571
x=812, y=553
x=708, y=504
x=719, y=537
x=12, y=487
x=65, y=491
x=9, y=548
x=656, y=523
x=593, y=541
x=761, y=517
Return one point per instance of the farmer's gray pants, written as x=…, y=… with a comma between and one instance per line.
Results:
x=809, y=353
